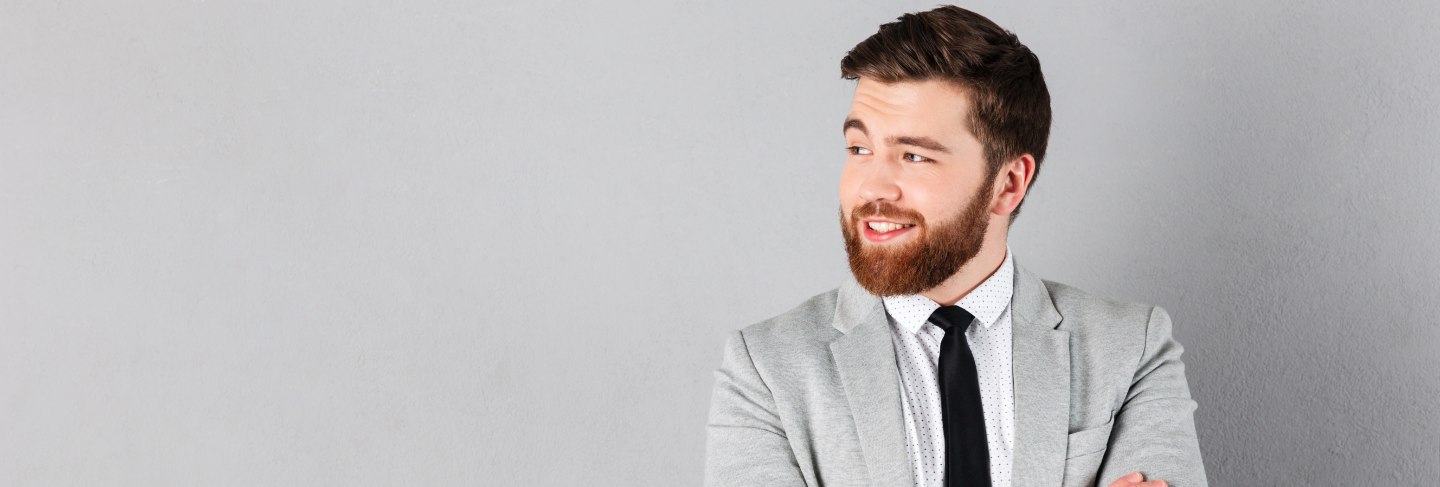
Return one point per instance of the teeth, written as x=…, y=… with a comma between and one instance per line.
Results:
x=884, y=227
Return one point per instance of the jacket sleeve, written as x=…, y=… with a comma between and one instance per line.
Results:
x=1155, y=428
x=745, y=443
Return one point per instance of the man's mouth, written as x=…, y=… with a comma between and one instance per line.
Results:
x=883, y=227
x=880, y=231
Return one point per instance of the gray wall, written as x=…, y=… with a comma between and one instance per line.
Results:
x=330, y=243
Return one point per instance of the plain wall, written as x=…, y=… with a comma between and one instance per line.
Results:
x=427, y=243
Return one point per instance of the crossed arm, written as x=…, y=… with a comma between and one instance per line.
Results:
x=1155, y=429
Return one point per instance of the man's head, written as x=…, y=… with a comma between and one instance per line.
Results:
x=947, y=128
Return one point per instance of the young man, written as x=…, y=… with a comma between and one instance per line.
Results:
x=944, y=362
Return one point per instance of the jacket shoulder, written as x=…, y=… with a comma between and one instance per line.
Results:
x=790, y=352
x=1086, y=312
x=805, y=322
x=795, y=337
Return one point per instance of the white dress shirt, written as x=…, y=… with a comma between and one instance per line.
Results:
x=917, y=347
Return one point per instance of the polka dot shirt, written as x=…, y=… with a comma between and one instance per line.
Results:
x=917, y=347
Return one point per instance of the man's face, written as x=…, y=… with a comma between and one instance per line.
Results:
x=912, y=161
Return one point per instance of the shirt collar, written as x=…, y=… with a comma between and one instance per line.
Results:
x=986, y=302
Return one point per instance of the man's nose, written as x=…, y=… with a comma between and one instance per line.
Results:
x=880, y=183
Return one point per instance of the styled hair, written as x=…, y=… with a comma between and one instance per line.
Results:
x=1010, y=112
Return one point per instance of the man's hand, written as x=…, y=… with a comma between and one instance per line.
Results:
x=1135, y=479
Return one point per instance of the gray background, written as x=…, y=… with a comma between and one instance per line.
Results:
x=424, y=243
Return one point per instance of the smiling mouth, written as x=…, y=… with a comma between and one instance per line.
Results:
x=886, y=227
x=877, y=231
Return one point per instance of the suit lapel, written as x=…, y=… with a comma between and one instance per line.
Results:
x=1040, y=358
x=865, y=359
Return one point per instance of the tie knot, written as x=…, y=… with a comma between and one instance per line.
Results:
x=948, y=317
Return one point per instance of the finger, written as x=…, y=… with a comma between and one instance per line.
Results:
x=1128, y=480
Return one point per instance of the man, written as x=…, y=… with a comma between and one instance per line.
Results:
x=943, y=361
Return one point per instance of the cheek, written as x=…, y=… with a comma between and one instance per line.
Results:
x=936, y=204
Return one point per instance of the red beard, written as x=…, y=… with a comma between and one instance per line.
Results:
x=927, y=259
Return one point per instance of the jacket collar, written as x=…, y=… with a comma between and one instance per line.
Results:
x=865, y=362
x=1030, y=302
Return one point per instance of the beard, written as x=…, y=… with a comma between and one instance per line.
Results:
x=931, y=256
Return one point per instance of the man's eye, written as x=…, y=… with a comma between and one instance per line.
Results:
x=916, y=157
x=858, y=151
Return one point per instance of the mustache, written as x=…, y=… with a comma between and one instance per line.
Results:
x=886, y=210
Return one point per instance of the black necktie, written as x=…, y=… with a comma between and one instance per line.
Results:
x=967, y=457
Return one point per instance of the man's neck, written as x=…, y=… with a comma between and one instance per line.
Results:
x=969, y=276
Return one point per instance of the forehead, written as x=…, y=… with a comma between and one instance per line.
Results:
x=937, y=108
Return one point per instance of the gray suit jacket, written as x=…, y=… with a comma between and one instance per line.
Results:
x=812, y=396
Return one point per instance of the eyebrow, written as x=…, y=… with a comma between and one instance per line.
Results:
x=920, y=141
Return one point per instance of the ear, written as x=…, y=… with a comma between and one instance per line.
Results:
x=1011, y=183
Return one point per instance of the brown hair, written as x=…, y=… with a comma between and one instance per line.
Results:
x=1011, y=107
